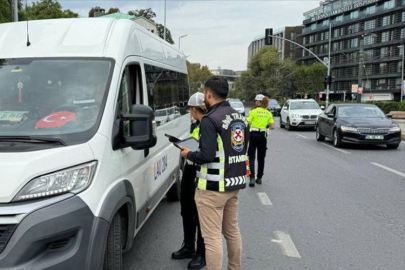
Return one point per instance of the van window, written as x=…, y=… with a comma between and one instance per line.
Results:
x=168, y=93
x=62, y=98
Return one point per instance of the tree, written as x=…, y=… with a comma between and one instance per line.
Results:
x=146, y=13
x=197, y=75
x=150, y=15
x=267, y=74
x=5, y=11
x=48, y=9
x=113, y=10
x=309, y=79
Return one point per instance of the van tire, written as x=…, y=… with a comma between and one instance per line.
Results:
x=174, y=193
x=113, y=250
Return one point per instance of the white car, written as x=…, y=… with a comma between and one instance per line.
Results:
x=297, y=113
x=237, y=105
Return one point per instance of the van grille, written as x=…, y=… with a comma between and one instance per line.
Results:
x=6, y=231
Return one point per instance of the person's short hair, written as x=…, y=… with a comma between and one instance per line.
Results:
x=218, y=86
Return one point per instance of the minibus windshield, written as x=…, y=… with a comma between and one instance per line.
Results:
x=54, y=98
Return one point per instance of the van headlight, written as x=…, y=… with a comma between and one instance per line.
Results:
x=296, y=116
x=395, y=129
x=72, y=180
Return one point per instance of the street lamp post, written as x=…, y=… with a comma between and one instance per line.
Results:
x=14, y=10
x=164, y=30
x=402, y=76
x=181, y=38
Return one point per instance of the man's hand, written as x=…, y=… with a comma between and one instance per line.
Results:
x=184, y=152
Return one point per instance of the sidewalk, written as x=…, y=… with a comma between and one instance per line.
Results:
x=402, y=125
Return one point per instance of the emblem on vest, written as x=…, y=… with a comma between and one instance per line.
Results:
x=238, y=136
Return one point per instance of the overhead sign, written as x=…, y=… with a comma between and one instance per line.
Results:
x=341, y=10
x=355, y=88
x=360, y=90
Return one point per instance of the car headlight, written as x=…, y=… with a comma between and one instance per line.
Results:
x=395, y=129
x=73, y=180
x=349, y=129
x=296, y=116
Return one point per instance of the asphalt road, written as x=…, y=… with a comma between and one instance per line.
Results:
x=327, y=209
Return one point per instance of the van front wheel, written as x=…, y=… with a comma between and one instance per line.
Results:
x=113, y=250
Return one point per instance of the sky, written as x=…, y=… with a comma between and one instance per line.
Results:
x=218, y=32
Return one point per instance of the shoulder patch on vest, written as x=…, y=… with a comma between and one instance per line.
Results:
x=238, y=136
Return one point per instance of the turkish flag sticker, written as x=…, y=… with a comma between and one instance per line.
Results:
x=56, y=120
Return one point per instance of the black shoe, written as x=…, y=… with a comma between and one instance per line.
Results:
x=198, y=262
x=252, y=182
x=259, y=180
x=184, y=253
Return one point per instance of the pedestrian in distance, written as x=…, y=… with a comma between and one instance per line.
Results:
x=189, y=213
x=260, y=120
x=222, y=172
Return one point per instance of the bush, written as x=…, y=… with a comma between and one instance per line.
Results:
x=385, y=106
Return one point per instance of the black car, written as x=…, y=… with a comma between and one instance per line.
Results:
x=357, y=124
x=274, y=107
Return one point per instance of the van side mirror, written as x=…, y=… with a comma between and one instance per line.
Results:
x=285, y=108
x=142, y=127
x=389, y=115
x=330, y=115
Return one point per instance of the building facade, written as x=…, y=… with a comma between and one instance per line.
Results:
x=285, y=49
x=365, y=40
x=229, y=74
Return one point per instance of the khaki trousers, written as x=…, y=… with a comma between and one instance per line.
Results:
x=218, y=214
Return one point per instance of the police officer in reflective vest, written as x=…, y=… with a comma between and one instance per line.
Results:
x=260, y=119
x=222, y=172
x=189, y=213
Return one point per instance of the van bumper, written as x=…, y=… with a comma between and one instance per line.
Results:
x=64, y=235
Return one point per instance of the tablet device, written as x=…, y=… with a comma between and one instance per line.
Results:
x=190, y=143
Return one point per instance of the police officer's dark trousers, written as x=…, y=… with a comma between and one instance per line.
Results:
x=191, y=225
x=258, y=142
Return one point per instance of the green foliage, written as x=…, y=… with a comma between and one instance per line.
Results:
x=146, y=13
x=197, y=75
x=48, y=9
x=267, y=74
x=5, y=11
x=160, y=28
x=385, y=106
x=309, y=80
x=113, y=10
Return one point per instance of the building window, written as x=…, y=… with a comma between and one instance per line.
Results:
x=368, y=25
x=389, y=4
x=326, y=22
x=313, y=26
x=368, y=55
x=369, y=40
x=384, y=52
x=385, y=36
x=354, y=43
x=402, y=33
x=354, y=28
x=403, y=16
x=292, y=36
x=386, y=20
x=371, y=10
x=383, y=68
x=336, y=32
x=354, y=14
x=311, y=39
x=339, y=18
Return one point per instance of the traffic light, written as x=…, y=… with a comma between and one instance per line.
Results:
x=268, y=40
x=327, y=81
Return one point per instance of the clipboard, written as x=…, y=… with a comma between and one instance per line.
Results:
x=190, y=143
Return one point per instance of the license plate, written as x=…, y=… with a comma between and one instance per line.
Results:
x=310, y=123
x=374, y=137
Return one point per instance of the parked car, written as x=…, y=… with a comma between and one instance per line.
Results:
x=162, y=116
x=237, y=105
x=274, y=107
x=358, y=124
x=299, y=113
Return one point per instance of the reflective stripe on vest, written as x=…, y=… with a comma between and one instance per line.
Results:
x=204, y=177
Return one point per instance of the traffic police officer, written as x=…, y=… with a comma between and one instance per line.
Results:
x=222, y=173
x=189, y=212
x=260, y=119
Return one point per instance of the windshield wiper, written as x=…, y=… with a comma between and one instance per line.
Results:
x=29, y=139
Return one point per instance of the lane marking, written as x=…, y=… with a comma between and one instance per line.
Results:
x=302, y=136
x=264, y=198
x=287, y=245
x=337, y=149
x=388, y=169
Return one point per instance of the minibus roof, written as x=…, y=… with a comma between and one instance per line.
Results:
x=87, y=37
